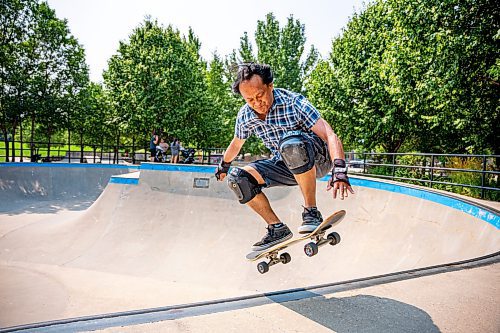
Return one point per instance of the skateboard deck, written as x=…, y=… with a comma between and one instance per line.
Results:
x=317, y=237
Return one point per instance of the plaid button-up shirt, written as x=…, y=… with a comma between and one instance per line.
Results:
x=290, y=112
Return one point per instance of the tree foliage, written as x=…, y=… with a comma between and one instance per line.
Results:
x=91, y=122
x=283, y=50
x=156, y=81
x=42, y=68
x=414, y=74
x=226, y=104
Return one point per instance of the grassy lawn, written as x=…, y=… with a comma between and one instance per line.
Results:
x=56, y=150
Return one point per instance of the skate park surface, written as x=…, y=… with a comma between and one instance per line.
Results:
x=162, y=248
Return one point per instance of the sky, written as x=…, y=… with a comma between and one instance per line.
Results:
x=99, y=25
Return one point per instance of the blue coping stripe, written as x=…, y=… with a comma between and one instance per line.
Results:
x=124, y=180
x=487, y=215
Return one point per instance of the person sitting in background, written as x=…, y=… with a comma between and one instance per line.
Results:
x=161, y=151
x=163, y=145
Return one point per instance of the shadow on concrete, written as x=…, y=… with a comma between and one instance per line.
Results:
x=363, y=313
x=51, y=206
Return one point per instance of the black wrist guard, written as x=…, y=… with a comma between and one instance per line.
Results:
x=339, y=172
x=223, y=167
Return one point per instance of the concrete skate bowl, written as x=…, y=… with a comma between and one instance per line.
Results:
x=49, y=187
x=175, y=235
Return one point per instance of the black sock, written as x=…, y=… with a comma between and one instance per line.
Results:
x=278, y=225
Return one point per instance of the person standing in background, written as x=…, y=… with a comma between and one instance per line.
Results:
x=175, y=148
x=153, y=142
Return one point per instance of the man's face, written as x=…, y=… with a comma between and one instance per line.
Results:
x=257, y=94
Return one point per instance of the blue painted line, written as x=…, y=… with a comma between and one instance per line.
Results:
x=464, y=206
x=124, y=180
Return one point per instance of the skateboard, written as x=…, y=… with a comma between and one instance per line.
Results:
x=318, y=240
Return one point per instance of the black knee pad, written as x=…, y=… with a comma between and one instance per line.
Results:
x=243, y=184
x=297, y=152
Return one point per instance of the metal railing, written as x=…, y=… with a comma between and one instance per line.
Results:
x=91, y=153
x=451, y=172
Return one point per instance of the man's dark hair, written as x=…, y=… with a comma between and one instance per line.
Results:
x=249, y=69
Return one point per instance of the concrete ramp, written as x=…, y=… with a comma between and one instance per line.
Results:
x=48, y=187
x=178, y=236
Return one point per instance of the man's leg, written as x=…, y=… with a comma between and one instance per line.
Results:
x=260, y=204
x=299, y=154
x=246, y=184
x=307, y=184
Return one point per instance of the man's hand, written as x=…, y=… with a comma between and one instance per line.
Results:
x=340, y=180
x=222, y=170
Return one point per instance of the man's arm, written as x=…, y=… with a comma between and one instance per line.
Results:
x=336, y=150
x=325, y=132
x=233, y=149
x=231, y=152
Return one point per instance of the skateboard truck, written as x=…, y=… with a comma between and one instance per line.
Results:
x=312, y=248
x=263, y=267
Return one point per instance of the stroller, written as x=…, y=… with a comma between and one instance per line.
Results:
x=188, y=155
x=161, y=155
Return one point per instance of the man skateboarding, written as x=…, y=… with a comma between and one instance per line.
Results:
x=302, y=143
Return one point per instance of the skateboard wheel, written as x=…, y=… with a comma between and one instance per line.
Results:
x=311, y=249
x=285, y=258
x=263, y=267
x=334, y=238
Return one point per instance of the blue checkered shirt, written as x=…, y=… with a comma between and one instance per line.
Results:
x=290, y=112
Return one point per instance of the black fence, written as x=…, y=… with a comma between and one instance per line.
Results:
x=107, y=154
x=472, y=175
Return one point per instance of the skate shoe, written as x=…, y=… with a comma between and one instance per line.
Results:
x=311, y=219
x=275, y=235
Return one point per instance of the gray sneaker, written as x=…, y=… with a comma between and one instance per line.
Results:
x=275, y=235
x=311, y=219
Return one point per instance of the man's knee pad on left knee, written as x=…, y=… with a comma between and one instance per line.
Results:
x=243, y=184
x=297, y=152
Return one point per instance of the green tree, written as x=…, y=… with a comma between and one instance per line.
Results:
x=246, y=49
x=59, y=72
x=17, y=19
x=156, y=80
x=90, y=120
x=414, y=74
x=226, y=104
x=283, y=50
x=42, y=68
